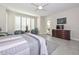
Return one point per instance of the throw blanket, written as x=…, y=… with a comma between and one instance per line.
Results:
x=42, y=44
x=26, y=44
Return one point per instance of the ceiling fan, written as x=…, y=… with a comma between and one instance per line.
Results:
x=40, y=7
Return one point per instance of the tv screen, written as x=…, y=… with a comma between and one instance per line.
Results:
x=61, y=20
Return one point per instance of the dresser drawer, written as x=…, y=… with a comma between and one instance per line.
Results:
x=64, y=34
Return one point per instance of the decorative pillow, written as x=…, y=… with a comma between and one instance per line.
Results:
x=3, y=33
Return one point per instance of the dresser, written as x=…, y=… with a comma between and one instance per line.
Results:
x=63, y=34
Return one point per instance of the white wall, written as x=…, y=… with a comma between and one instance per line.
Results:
x=3, y=18
x=10, y=22
x=72, y=21
x=42, y=25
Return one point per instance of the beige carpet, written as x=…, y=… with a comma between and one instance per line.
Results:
x=58, y=46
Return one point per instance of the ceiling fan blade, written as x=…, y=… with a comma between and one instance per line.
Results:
x=45, y=5
x=34, y=5
x=44, y=10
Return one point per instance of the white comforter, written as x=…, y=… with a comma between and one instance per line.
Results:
x=26, y=44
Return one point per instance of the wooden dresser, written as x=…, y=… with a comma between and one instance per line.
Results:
x=64, y=34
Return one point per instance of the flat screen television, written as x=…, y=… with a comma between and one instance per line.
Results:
x=61, y=20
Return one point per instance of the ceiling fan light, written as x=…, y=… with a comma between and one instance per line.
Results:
x=40, y=7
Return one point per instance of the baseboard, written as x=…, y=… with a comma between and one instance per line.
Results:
x=42, y=34
x=73, y=38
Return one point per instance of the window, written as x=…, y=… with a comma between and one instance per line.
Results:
x=23, y=23
x=48, y=24
x=17, y=23
x=28, y=23
x=32, y=23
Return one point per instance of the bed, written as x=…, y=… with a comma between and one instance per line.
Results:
x=24, y=44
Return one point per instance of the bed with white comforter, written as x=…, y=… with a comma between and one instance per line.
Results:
x=25, y=44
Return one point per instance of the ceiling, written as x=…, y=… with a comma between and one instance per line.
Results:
x=49, y=9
